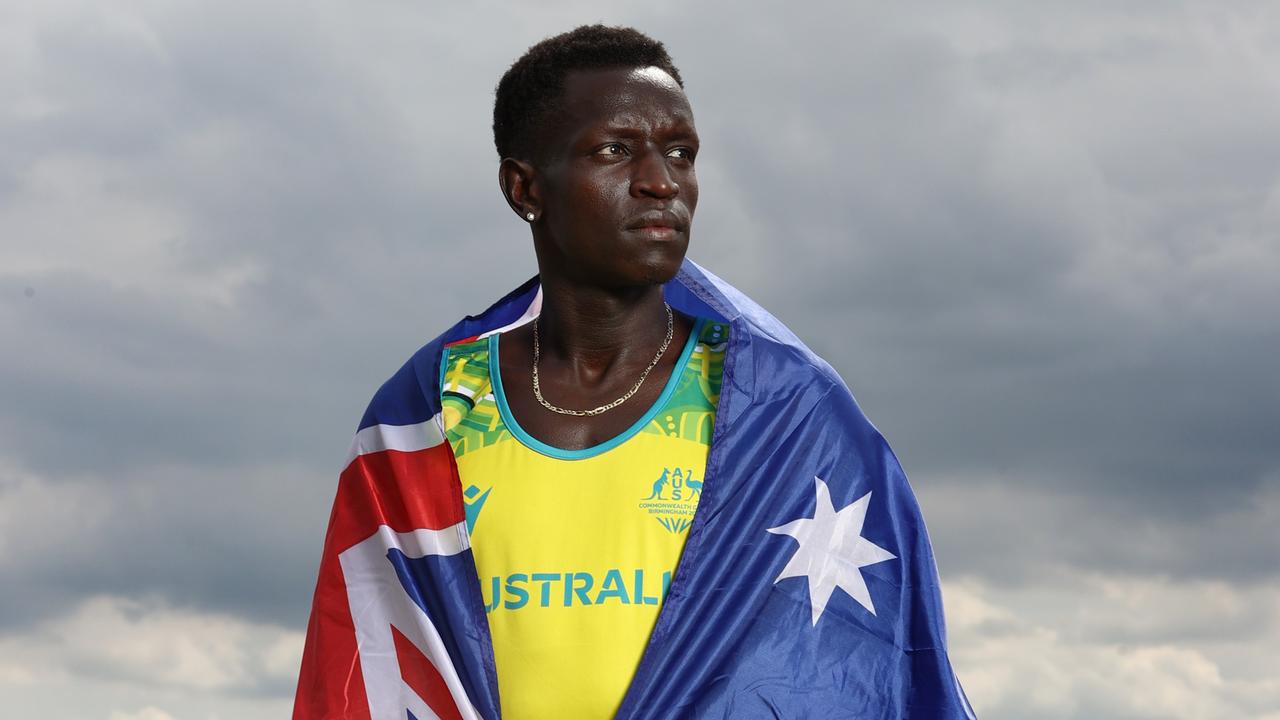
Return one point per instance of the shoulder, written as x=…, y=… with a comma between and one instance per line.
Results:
x=782, y=362
x=410, y=396
x=779, y=360
x=771, y=365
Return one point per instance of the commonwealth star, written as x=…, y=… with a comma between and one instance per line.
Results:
x=832, y=551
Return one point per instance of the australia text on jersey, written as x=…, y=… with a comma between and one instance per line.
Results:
x=568, y=589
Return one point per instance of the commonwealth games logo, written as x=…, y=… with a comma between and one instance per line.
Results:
x=673, y=498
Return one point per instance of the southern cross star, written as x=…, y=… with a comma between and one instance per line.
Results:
x=832, y=551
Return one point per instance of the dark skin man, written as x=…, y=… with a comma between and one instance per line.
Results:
x=805, y=583
x=613, y=196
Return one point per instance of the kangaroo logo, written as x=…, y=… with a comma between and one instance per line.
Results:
x=673, y=498
x=658, y=485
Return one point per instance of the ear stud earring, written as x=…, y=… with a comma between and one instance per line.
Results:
x=529, y=217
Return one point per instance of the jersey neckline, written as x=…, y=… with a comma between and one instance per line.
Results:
x=529, y=441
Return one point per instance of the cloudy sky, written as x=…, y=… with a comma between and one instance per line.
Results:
x=1041, y=244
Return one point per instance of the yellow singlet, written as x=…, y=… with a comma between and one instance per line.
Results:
x=575, y=549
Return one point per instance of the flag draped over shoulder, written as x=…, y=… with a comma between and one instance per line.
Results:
x=807, y=586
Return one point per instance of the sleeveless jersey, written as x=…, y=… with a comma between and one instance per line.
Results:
x=575, y=548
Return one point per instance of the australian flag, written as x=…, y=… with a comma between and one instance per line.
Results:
x=807, y=586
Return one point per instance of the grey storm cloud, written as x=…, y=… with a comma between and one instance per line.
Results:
x=1040, y=244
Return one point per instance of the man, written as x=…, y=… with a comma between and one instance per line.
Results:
x=623, y=489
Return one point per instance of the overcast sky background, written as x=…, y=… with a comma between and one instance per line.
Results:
x=1042, y=245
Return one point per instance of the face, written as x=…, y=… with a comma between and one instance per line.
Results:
x=617, y=185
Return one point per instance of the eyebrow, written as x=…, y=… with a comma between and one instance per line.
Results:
x=679, y=129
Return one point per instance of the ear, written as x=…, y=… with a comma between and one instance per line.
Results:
x=517, y=180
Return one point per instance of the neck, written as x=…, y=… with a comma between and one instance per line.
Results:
x=592, y=330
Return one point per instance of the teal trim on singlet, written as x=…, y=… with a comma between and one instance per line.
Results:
x=495, y=371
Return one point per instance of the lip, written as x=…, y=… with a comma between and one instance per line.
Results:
x=658, y=221
x=656, y=232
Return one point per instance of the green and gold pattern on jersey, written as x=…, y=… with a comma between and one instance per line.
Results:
x=472, y=420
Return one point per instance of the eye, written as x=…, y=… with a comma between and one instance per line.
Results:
x=683, y=153
x=612, y=149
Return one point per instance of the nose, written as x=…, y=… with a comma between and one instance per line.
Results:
x=653, y=176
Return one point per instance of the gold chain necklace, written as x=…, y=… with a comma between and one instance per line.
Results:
x=537, y=389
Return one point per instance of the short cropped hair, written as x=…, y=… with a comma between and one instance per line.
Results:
x=529, y=91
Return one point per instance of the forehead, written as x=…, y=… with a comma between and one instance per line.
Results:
x=629, y=96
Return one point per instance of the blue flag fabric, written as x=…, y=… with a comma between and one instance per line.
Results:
x=807, y=587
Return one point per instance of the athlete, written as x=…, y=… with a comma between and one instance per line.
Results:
x=577, y=431
x=523, y=529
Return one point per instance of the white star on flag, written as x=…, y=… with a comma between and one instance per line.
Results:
x=832, y=551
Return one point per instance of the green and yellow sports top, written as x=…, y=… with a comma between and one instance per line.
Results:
x=575, y=548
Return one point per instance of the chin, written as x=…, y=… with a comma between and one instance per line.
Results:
x=640, y=275
x=661, y=270
x=636, y=267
